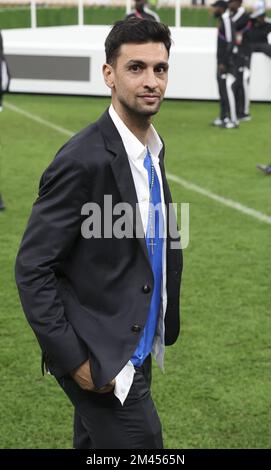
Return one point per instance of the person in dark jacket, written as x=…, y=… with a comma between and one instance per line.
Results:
x=143, y=11
x=242, y=54
x=100, y=291
x=261, y=28
x=225, y=67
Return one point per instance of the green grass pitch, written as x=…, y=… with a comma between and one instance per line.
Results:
x=216, y=389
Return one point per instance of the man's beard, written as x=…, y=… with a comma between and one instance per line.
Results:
x=138, y=111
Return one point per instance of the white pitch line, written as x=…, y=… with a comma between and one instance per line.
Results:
x=222, y=200
x=176, y=179
x=38, y=119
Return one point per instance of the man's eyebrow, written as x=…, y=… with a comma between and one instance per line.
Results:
x=162, y=64
x=143, y=64
x=135, y=62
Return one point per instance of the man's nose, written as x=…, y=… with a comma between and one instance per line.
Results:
x=150, y=80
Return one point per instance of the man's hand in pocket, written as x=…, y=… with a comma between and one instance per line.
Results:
x=82, y=376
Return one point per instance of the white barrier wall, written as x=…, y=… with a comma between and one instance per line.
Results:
x=69, y=59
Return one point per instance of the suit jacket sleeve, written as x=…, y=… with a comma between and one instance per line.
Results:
x=52, y=229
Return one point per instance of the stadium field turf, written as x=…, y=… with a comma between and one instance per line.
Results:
x=215, y=392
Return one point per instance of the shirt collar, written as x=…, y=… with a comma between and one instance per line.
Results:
x=134, y=148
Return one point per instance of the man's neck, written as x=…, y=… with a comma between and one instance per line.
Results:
x=138, y=124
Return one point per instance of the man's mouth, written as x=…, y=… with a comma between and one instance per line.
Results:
x=150, y=98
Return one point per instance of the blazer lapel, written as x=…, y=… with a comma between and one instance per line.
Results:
x=167, y=195
x=123, y=176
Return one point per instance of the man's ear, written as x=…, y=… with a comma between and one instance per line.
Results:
x=108, y=73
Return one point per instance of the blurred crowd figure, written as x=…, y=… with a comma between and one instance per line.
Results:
x=259, y=40
x=266, y=169
x=225, y=74
x=4, y=73
x=142, y=10
x=239, y=35
x=2, y=206
x=1, y=59
x=241, y=57
x=260, y=31
x=1, y=95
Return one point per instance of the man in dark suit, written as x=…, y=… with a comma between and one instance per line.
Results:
x=101, y=301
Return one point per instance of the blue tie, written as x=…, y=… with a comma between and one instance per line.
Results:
x=154, y=241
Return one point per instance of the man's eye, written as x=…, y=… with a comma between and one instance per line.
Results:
x=135, y=68
x=161, y=69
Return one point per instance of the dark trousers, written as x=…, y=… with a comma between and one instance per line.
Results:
x=101, y=422
x=226, y=83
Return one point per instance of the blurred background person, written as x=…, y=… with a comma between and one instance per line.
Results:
x=143, y=11
x=242, y=54
x=1, y=60
x=2, y=207
x=261, y=28
x=4, y=73
x=225, y=67
x=265, y=168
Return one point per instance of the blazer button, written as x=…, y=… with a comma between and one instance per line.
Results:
x=136, y=328
x=146, y=289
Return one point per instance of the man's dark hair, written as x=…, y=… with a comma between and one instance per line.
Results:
x=135, y=31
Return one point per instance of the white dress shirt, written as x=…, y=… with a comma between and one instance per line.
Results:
x=136, y=152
